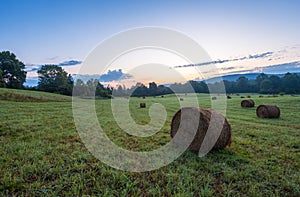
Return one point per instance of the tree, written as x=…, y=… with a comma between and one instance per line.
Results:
x=266, y=86
x=2, y=82
x=80, y=89
x=13, y=72
x=291, y=83
x=259, y=79
x=53, y=78
x=242, y=84
x=276, y=84
x=102, y=91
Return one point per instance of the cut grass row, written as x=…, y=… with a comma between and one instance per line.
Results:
x=42, y=154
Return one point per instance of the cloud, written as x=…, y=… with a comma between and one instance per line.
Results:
x=53, y=58
x=262, y=55
x=36, y=67
x=70, y=63
x=114, y=75
x=293, y=67
x=32, y=67
x=110, y=76
x=256, y=56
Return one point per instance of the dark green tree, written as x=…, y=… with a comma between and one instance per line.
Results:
x=2, y=82
x=291, y=83
x=276, y=84
x=12, y=70
x=266, y=86
x=53, y=78
x=242, y=85
x=102, y=91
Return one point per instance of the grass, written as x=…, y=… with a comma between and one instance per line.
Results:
x=30, y=96
x=42, y=154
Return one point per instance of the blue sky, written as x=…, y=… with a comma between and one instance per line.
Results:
x=55, y=31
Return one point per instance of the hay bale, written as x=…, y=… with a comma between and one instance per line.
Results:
x=268, y=111
x=228, y=97
x=242, y=97
x=162, y=96
x=261, y=96
x=142, y=105
x=144, y=97
x=181, y=99
x=204, y=115
x=213, y=98
x=247, y=103
x=248, y=96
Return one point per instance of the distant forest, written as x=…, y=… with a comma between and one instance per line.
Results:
x=53, y=78
x=264, y=84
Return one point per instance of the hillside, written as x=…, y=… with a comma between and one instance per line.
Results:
x=30, y=96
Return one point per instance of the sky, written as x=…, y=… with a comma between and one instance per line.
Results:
x=55, y=31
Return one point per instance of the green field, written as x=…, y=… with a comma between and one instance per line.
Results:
x=42, y=153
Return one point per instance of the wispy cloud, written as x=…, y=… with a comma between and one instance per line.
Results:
x=52, y=58
x=262, y=55
x=256, y=56
x=279, y=68
x=36, y=67
x=70, y=63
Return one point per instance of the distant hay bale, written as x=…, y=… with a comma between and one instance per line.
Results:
x=181, y=99
x=248, y=96
x=223, y=140
x=247, y=103
x=162, y=96
x=242, y=97
x=268, y=111
x=228, y=97
x=142, y=105
x=238, y=94
x=213, y=98
x=261, y=96
x=144, y=97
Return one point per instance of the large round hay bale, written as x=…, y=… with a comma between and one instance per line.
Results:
x=268, y=111
x=247, y=103
x=142, y=105
x=224, y=138
x=214, y=98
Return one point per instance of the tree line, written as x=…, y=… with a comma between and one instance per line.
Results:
x=54, y=79
x=264, y=84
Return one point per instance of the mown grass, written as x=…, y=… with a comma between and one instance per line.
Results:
x=42, y=154
x=30, y=96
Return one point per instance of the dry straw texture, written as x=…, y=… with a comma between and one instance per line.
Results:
x=142, y=105
x=247, y=103
x=223, y=138
x=268, y=111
